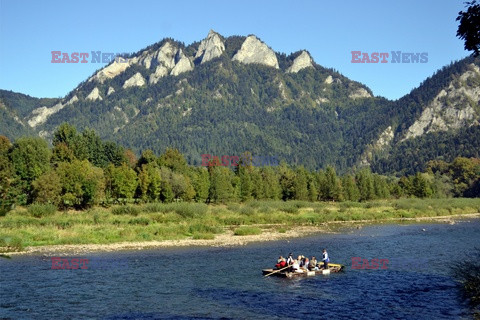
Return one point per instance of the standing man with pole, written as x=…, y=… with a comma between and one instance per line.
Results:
x=325, y=259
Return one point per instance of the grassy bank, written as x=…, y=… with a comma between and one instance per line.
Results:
x=43, y=225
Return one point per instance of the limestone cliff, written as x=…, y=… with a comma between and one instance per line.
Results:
x=210, y=47
x=182, y=64
x=255, y=51
x=135, y=81
x=301, y=62
x=94, y=95
x=452, y=108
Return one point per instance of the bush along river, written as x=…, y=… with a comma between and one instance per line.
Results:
x=212, y=283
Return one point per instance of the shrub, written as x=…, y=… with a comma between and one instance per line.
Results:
x=245, y=231
x=253, y=204
x=41, y=210
x=265, y=209
x=290, y=209
x=202, y=228
x=300, y=204
x=9, y=244
x=190, y=210
x=233, y=207
x=247, y=211
x=141, y=221
x=203, y=236
x=131, y=210
x=282, y=230
x=155, y=207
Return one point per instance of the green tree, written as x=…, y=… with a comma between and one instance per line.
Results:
x=93, y=145
x=83, y=185
x=47, y=188
x=174, y=160
x=8, y=191
x=287, y=181
x=115, y=154
x=245, y=183
x=300, y=184
x=312, y=188
x=221, y=188
x=421, y=186
x=146, y=157
x=201, y=184
x=406, y=185
x=66, y=134
x=62, y=153
x=333, y=190
x=150, y=182
x=364, y=179
x=381, y=187
x=350, y=189
x=395, y=189
x=258, y=187
x=122, y=181
x=464, y=173
x=30, y=158
x=469, y=27
x=272, y=188
x=166, y=191
x=180, y=185
x=322, y=184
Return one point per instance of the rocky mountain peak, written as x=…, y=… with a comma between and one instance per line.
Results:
x=182, y=63
x=210, y=47
x=304, y=60
x=255, y=51
x=166, y=55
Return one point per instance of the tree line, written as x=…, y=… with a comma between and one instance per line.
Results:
x=80, y=170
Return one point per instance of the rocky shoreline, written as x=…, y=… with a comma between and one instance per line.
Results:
x=226, y=239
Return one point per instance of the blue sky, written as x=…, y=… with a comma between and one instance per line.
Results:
x=329, y=30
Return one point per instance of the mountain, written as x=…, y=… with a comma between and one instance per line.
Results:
x=14, y=109
x=224, y=96
x=438, y=120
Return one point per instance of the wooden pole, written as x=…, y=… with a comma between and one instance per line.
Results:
x=277, y=271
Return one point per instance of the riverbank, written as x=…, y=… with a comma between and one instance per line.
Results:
x=228, y=238
x=178, y=224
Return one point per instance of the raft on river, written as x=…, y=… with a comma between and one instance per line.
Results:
x=332, y=267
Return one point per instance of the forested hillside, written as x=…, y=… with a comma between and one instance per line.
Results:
x=227, y=96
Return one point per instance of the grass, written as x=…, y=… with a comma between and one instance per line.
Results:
x=247, y=231
x=203, y=236
x=41, y=210
x=44, y=225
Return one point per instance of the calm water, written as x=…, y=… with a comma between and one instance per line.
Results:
x=212, y=283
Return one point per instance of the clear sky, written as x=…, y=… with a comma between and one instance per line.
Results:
x=329, y=30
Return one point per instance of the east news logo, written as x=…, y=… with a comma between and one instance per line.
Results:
x=396, y=57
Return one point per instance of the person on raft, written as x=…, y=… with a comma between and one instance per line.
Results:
x=312, y=266
x=306, y=264
x=325, y=259
x=290, y=259
x=281, y=263
x=296, y=267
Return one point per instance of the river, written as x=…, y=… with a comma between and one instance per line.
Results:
x=226, y=283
